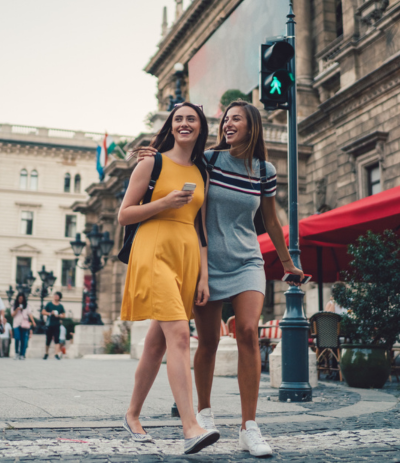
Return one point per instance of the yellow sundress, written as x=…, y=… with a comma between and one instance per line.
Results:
x=164, y=263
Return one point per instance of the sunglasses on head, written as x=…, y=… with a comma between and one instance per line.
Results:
x=181, y=104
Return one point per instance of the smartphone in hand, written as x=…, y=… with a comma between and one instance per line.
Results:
x=292, y=278
x=189, y=187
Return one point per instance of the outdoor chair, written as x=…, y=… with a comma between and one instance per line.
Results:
x=326, y=328
x=231, y=326
x=224, y=331
x=269, y=336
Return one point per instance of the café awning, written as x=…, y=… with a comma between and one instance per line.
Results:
x=344, y=224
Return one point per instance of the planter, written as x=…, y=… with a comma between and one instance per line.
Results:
x=364, y=365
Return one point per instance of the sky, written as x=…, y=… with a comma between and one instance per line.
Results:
x=78, y=64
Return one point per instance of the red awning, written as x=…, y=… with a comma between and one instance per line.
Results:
x=334, y=257
x=344, y=224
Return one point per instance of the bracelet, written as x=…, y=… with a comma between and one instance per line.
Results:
x=283, y=261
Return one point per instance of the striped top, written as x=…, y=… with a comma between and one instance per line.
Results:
x=235, y=263
x=243, y=182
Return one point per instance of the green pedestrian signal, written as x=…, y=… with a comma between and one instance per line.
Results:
x=275, y=86
x=275, y=78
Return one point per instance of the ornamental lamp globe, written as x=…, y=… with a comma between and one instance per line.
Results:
x=77, y=245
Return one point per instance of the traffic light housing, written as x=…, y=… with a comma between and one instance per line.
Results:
x=275, y=77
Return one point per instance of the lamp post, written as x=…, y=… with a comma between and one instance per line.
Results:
x=295, y=381
x=10, y=292
x=25, y=287
x=101, y=245
x=178, y=68
x=48, y=280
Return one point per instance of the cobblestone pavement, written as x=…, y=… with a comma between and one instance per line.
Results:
x=341, y=424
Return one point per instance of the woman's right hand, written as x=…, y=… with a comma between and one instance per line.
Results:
x=141, y=154
x=176, y=199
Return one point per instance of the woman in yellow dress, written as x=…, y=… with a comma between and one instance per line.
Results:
x=166, y=265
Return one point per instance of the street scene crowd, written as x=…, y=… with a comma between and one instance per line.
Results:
x=236, y=295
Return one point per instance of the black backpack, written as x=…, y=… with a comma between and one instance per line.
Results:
x=258, y=220
x=130, y=230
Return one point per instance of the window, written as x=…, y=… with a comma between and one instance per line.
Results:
x=23, y=269
x=70, y=226
x=34, y=180
x=26, y=222
x=339, y=18
x=68, y=273
x=67, y=183
x=23, y=179
x=77, y=186
x=374, y=179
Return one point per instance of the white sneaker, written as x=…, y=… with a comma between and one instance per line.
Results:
x=250, y=439
x=205, y=418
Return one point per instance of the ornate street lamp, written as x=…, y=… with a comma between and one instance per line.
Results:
x=10, y=292
x=101, y=246
x=48, y=280
x=178, y=68
x=26, y=287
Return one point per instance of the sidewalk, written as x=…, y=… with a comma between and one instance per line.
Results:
x=71, y=410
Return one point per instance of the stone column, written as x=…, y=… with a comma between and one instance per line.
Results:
x=307, y=96
x=348, y=63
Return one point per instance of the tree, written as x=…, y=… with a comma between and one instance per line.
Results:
x=372, y=293
x=232, y=95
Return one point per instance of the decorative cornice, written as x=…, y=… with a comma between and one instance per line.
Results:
x=356, y=95
x=365, y=144
x=24, y=204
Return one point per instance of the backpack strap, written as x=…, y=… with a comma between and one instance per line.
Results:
x=263, y=176
x=130, y=230
x=155, y=173
x=212, y=161
x=203, y=172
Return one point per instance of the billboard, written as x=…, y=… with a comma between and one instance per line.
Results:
x=229, y=58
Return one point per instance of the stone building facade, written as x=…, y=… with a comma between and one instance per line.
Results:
x=348, y=87
x=43, y=171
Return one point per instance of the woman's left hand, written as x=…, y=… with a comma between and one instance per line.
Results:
x=289, y=267
x=203, y=292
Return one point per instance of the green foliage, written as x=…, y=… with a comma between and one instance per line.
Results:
x=120, y=343
x=147, y=119
x=232, y=95
x=69, y=324
x=373, y=290
x=8, y=316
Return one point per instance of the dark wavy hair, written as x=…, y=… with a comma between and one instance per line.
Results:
x=254, y=146
x=16, y=303
x=164, y=140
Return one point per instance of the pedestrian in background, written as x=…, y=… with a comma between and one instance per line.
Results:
x=55, y=312
x=22, y=319
x=5, y=335
x=63, y=337
x=332, y=305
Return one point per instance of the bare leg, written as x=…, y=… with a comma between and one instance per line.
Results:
x=57, y=349
x=180, y=379
x=208, y=324
x=146, y=372
x=247, y=307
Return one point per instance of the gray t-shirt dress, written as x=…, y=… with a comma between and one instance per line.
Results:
x=235, y=263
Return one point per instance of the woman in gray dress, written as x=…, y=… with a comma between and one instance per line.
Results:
x=235, y=263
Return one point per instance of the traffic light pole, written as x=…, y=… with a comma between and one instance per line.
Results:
x=295, y=381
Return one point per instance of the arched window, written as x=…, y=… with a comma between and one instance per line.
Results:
x=67, y=183
x=77, y=185
x=23, y=179
x=34, y=180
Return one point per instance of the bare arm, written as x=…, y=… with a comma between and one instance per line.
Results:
x=203, y=292
x=14, y=312
x=131, y=211
x=274, y=230
x=330, y=307
x=32, y=319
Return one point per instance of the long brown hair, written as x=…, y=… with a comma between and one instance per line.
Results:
x=164, y=140
x=254, y=147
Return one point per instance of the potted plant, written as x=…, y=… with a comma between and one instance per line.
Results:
x=372, y=297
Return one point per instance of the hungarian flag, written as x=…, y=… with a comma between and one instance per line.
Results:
x=107, y=147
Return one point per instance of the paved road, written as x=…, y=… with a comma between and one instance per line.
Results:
x=71, y=411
